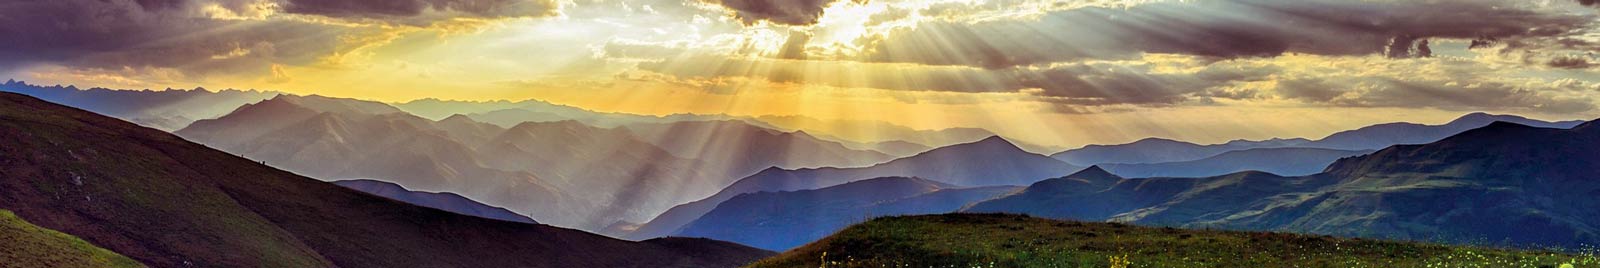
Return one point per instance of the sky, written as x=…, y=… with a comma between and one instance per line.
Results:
x=1059, y=73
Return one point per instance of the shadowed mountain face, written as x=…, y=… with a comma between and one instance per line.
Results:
x=442, y=201
x=168, y=110
x=126, y=188
x=782, y=220
x=1383, y=135
x=988, y=162
x=1504, y=182
x=1281, y=161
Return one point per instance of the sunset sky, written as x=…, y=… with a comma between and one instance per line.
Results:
x=1061, y=73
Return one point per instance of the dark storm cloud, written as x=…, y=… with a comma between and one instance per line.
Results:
x=789, y=12
x=1226, y=29
x=125, y=34
x=404, y=9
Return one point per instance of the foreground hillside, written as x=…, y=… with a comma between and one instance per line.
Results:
x=28, y=245
x=1001, y=240
x=167, y=202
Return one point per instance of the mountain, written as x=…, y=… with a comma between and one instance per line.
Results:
x=989, y=162
x=999, y=240
x=1157, y=150
x=740, y=148
x=783, y=220
x=169, y=109
x=437, y=109
x=628, y=179
x=336, y=139
x=442, y=201
x=1504, y=183
x=1281, y=161
x=539, y=111
x=167, y=202
x=867, y=131
x=893, y=148
x=564, y=173
x=1379, y=136
x=29, y=245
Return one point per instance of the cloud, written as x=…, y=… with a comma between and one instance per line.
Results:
x=121, y=34
x=1221, y=28
x=412, y=9
x=787, y=12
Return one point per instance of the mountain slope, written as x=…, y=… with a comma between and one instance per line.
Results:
x=1157, y=150
x=167, y=202
x=995, y=240
x=1281, y=161
x=442, y=201
x=1503, y=183
x=783, y=220
x=988, y=162
x=28, y=245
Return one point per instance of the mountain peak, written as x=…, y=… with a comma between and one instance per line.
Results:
x=457, y=118
x=1092, y=172
x=1485, y=118
x=994, y=141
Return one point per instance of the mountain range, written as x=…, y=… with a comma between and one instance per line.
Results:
x=989, y=162
x=566, y=173
x=168, y=110
x=166, y=202
x=1287, y=161
x=1157, y=150
x=1502, y=183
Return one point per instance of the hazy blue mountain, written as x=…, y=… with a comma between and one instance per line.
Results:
x=782, y=220
x=1502, y=183
x=1383, y=135
x=1157, y=150
x=168, y=110
x=989, y=162
x=1281, y=161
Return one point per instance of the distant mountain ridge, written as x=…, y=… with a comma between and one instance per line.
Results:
x=1287, y=161
x=169, y=109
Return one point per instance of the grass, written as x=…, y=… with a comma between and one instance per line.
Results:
x=1001, y=240
x=27, y=245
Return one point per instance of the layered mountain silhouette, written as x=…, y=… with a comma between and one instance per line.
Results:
x=565, y=173
x=1383, y=135
x=864, y=131
x=782, y=220
x=1281, y=161
x=169, y=109
x=167, y=202
x=1502, y=183
x=1158, y=150
x=988, y=162
x=442, y=201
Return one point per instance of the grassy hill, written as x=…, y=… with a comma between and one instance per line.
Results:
x=28, y=245
x=1004, y=240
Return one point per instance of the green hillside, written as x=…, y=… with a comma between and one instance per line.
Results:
x=28, y=245
x=1003, y=240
